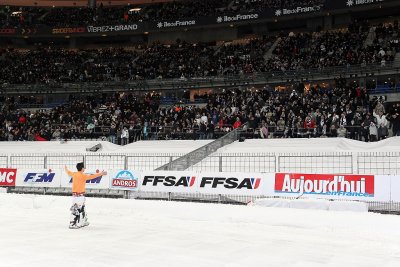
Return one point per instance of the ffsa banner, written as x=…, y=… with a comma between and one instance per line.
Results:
x=169, y=181
x=242, y=184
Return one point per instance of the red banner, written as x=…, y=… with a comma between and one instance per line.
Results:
x=8, y=177
x=325, y=184
x=7, y=31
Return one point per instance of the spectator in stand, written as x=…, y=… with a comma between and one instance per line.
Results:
x=373, y=132
x=382, y=125
x=237, y=123
x=124, y=136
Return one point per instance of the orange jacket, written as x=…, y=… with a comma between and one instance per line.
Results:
x=79, y=180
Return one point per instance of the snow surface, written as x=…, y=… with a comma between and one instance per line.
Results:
x=297, y=145
x=171, y=146
x=320, y=145
x=34, y=232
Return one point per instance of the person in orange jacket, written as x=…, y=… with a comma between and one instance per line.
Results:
x=79, y=178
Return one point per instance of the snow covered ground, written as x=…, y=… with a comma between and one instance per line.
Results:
x=171, y=146
x=34, y=232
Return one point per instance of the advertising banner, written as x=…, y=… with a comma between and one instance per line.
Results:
x=395, y=188
x=68, y=30
x=297, y=10
x=114, y=28
x=339, y=4
x=169, y=181
x=39, y=178
x=236, y=183
x=11, y=31
x=8, y=176
x=124, y=180
x=101, y=182
x=333, y=186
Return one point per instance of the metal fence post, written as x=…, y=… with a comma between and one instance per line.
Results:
x=220, y=164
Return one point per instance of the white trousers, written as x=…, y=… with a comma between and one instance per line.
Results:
x=76, y=209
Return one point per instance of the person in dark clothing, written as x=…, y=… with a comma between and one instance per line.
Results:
x=210, y=130
x=395, y=120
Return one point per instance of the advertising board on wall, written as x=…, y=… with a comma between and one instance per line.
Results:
x=39, y=178
x=8, y=176
x=234, y=183
x=292, y=185
x=297, y=10
x=169, y=181
x=124, y=180
x=333, y=186
x=338, y=4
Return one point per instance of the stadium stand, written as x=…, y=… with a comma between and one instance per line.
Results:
x=124, y=118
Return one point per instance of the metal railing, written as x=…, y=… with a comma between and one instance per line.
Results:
x=201, y=153
x=205, y=82
x=377, y=163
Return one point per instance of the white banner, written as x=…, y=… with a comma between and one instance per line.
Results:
x=169, y=181
x=124, y=179
x=314, y=186
x=101, y=182
x=236, y=183
x=38, y=178
x=395, y=188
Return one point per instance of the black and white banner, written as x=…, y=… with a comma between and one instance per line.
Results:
x=175, y=24
x=339, y=4
x=297, y=10
x=113, y=28
x=238, y=18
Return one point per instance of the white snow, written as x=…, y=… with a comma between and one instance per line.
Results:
x=34, y=232
x=318, y=145
x=171, y=147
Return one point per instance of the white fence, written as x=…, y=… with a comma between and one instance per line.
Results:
x=381, y=163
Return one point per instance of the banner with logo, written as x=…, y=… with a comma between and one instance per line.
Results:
x=100, y=182
x=39, y=178
x=297, y=10
x=169, y=181
x=333, y=186
x=8, y=176
x=114, y=28
x=236, y=183
x=124, y=180
x=339, y=4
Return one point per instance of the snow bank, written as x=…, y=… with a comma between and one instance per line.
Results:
x=313, y=204
x=302, y=145
x=173, y=146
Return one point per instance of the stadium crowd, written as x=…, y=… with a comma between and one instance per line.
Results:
x=294, y=51
x=158, y=61
x=101, y=15
x=342, y=111
x=335, y=48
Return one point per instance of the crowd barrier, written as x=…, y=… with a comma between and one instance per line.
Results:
x=384, y=167
x=377, y=163
x=361, y=187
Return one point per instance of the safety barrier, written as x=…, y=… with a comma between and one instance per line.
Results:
x=373, y=163
x=382, y=163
